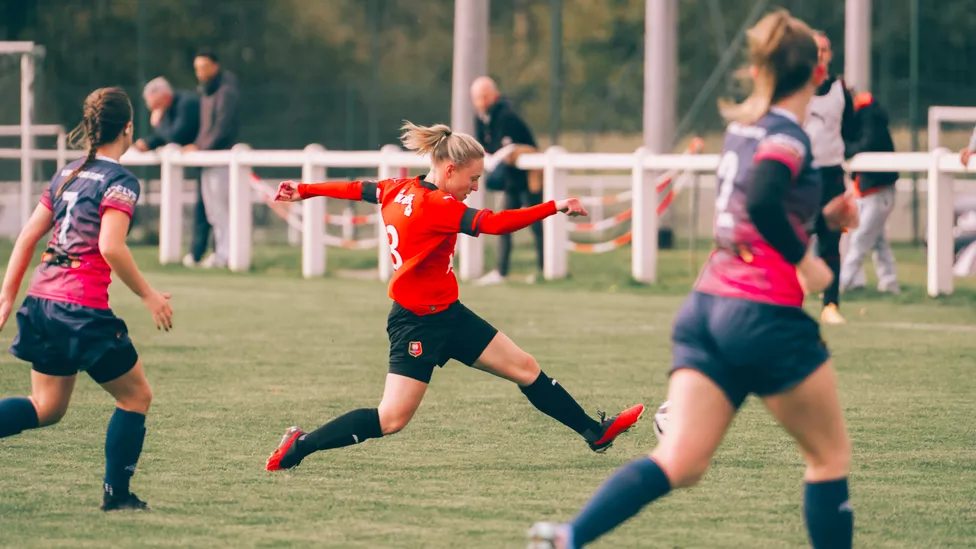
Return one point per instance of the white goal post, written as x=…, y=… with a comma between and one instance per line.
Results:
x=27, y=51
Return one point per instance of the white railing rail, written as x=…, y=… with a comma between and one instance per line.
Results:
x=938, y=165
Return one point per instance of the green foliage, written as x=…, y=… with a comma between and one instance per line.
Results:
x=345, y=72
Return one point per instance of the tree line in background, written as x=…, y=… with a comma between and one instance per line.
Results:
x=344, y=73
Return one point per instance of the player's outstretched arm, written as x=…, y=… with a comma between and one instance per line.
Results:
x=366, y=191
x=111, y=242
x=37, y=226
x=509, y=221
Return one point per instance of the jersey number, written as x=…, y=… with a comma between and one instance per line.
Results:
x=70, y=198
x=394, y=242
x=728, y=168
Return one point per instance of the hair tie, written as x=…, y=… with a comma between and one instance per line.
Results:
x=447, y=133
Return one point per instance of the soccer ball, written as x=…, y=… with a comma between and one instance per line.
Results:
x=661, y=420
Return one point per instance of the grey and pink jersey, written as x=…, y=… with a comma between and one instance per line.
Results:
x=744, y=265
x=73, y=270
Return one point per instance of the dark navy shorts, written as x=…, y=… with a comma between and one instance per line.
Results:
x=61, y=339
x=745, y=346
x=418, y=343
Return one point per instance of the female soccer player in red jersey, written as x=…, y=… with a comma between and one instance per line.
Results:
x=428, y=325
x=65, y=324
x=743, y=329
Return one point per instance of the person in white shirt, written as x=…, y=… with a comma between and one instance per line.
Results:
x=830, y=123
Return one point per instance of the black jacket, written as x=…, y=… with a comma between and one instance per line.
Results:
x=219, y=113
x=179, y=124
x=872, y=136
x=500, y=127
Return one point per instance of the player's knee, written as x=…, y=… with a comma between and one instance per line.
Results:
x=830, y=463
x=682, y=471
x=393, y=423
x=49, y=411
x=526, y=369
x=394, y=419
x=138, y=400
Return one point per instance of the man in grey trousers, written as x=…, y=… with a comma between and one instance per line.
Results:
x=219, y=124
x=876, y=201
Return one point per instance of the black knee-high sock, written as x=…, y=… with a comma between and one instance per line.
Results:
x=16, y=415
x=828, y=514
x=551, y=399
x=351, y=428
x=828, y=249
x=831, y=294
x=123, y=445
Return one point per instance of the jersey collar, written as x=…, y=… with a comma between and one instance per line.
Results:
x=426, y=184
x=784, y=113
x=106, y=159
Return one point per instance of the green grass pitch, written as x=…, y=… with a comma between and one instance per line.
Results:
x=254, y=353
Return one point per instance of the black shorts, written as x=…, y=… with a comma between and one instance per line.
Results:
x=61, y=339
x=419, y=343
x=746, y=346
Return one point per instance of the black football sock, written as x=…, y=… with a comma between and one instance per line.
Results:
x=551, y=399
x=351, y=428
x=16, y=415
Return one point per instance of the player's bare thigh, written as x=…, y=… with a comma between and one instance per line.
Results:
x=699, y=414
x=811, y=413
x=131, y=390
x=51, y=396
x=507, y=360
x=401, y=399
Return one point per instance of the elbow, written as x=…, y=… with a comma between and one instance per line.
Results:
x=112, y=252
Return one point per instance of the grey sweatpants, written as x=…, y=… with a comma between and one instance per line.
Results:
x=215, y=184
x=870, y=238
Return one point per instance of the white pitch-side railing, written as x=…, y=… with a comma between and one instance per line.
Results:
x=939, y=166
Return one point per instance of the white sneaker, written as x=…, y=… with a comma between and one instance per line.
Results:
x=494, y=277
x=188, y=261
x=548, y=535
x=213, y=262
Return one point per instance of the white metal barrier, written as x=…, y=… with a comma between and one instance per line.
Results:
x=940, y=165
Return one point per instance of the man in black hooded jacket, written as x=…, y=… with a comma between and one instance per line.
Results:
x=496, y=126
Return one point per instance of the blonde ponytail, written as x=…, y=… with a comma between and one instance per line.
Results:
x=783, y=53
x=441, y=143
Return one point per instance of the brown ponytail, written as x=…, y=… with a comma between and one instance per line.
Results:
x=107, y=112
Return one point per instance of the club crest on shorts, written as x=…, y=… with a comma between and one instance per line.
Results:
x=415, y=349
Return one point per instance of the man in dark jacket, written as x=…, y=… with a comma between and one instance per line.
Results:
x=175, y=118
x=496, y=126
x=875, y=192
x=219, y=124
x=175, y=115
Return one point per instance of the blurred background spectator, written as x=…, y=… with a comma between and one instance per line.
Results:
x=219, y=125
x=876, y=201
x=497, y=126
x=175, y=118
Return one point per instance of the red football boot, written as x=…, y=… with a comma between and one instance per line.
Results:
x=274, y=462
x=615, y=426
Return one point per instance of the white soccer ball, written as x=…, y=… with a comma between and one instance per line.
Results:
x=661, y=420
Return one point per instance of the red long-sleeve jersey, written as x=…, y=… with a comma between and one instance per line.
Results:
x=422, y=223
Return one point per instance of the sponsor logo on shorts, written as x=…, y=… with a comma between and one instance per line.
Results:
x=415, y=349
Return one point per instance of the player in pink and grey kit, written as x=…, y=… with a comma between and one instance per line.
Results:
x=65, y=324
x=742, y=330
